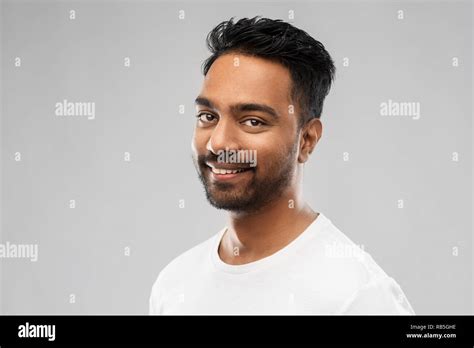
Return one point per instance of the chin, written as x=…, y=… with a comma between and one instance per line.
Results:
x=233, y=204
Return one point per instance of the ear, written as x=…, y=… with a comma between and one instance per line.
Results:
x=310, y=135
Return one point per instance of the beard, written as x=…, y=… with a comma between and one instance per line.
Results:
x=256, y=192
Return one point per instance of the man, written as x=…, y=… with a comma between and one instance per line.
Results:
x=258, y=121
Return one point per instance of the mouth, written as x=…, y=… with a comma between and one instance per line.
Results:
x=228, y=173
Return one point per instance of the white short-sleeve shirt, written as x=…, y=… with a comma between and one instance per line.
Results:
x=320, y=272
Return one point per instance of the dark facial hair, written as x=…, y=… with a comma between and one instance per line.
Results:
x=258, y=192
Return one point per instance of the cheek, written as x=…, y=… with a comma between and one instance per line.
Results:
x=270, y=154
x=199, y=141
x=278, y=145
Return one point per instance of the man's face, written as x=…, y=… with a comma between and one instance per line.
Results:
x=245, y=105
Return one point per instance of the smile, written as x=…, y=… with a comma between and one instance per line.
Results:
x=229, y=173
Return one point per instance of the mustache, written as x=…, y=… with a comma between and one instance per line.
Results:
x=209, y=157
x=203, y=161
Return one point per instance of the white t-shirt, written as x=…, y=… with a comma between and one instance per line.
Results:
x=320, y=272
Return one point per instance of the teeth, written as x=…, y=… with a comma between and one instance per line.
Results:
x=225, y=171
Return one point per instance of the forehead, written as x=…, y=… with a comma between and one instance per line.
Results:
x=240, y=78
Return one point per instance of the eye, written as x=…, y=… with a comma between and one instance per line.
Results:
x=206, y=117
x=252, y=122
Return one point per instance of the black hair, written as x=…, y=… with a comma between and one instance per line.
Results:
x=311, y=67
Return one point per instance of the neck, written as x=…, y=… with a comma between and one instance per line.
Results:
x=253, y=236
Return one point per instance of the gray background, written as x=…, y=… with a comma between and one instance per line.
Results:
x=136, y=204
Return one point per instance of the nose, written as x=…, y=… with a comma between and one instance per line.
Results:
x=223, y=137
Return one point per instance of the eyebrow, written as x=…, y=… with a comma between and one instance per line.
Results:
x=240, y=107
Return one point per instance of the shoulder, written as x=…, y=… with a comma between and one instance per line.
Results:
x=381, y=296
x=342, y=263
x=184, y=266
x=191, y=258
x=366, y=288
